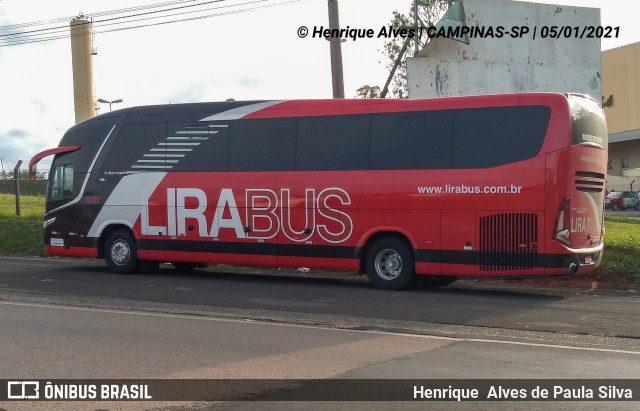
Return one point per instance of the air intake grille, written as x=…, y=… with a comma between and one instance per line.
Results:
x=508, y=241
x=589, y=182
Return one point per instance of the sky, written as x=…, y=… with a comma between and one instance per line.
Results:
x=246, y=56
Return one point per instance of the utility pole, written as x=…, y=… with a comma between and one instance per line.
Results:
x=82, y=65
x=337, y=78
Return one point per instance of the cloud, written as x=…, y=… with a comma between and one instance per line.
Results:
x=192, y=93
x=15, y=144
x=39, y=106
x=249, y=81
x=17, y=133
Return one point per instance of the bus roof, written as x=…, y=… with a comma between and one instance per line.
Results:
x=302, y=108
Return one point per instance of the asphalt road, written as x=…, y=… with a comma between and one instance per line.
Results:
x=73, y=319
x=42, y=341
x=290, y=296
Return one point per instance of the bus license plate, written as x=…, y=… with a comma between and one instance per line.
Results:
x=588, y=259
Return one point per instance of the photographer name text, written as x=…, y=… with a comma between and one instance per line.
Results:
x=490, y=32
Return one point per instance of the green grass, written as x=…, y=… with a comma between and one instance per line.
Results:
x=621, y=260
x=24, y=236
x=21, y=235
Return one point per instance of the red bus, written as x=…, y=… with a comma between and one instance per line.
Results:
x=505, y=185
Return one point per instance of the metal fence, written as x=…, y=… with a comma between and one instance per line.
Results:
x=623, y=183
x=27, y=187
x=623, y=194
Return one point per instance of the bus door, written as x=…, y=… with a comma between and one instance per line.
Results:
x=69, y=221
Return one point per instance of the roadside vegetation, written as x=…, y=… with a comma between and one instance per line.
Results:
x=24, y=236
x=21, y=235
x=621, y=260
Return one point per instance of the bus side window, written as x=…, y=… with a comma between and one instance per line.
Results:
x=61, y=187
x=67, y=185
x=411, y=141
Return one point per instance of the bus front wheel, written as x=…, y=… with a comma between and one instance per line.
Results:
x=389, y=264
x=120, y=252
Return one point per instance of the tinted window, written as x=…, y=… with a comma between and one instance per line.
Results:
x=589, y=124
x=411, y=140
x=208, y=150
x=333, y=143
x=61, y=186
x=262, y=145
x=136, y=147
x=489, y=137
x=90, y=138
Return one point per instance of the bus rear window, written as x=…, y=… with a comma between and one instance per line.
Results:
x=589, y=125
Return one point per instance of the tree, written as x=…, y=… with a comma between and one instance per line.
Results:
x=367, y=91
x=608, y=102
x=429, y=12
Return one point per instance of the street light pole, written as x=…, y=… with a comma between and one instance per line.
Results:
x=101, y=100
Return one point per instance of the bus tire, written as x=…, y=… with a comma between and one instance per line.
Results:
x=120, y=252
x=389, y=264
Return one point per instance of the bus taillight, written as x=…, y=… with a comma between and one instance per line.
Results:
x=563, y=218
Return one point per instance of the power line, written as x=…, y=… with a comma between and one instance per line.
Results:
x=25, y=37
x=92, y=15
x=64, y=30
x=99, y=14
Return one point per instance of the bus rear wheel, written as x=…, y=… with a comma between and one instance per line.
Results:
x=389, y=264
x=120, y=252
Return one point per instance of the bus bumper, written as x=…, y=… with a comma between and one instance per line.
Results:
x=563, y=260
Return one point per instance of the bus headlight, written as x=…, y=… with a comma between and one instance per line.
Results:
x=48, y=222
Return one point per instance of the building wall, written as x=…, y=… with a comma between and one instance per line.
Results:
x=621, y=78
x=629, y=150
x=447, y=67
